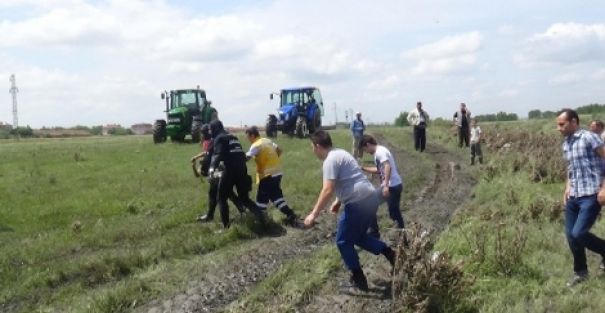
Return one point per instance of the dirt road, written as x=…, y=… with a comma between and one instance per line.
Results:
x=446, y=187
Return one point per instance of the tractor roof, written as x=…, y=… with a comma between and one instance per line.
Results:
x=191, y=89
x=299, y=88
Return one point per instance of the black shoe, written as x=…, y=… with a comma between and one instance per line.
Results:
x=204, y=218
x=358, y=279
x=291, y=220
x=390, y=255
x=577, y=278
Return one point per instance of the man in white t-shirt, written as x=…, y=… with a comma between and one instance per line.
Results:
x=343, y=178
x=476, y=142
x=391, y=184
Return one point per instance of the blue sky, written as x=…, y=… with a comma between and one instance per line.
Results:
x=100, y=62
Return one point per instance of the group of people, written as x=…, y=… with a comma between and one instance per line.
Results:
x=223, y=162
x=469, y=132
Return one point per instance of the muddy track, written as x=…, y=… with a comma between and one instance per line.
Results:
x=447, y=187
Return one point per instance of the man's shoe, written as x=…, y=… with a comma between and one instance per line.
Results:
x=577, y=278
x=291, y=220
x=204, y=218
x=358, y=279
x=390, y=255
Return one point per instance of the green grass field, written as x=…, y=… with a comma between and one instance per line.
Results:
x=104, y=224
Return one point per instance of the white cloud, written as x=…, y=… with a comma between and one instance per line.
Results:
x=565, y=79
x=452, y=54
x=599, y=75
x=564, y=43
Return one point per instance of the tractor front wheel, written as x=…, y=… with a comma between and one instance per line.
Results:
x=301, y=127
x=196, y=131
x=159, y=131
x=271, y=127
x=315, y=123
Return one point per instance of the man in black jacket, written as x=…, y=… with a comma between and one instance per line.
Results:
x=229, y=161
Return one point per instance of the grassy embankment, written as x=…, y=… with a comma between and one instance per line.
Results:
x=511, y=235
x=103, y=224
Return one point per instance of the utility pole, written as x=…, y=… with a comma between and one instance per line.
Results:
x=335, y=115
x=14, y=91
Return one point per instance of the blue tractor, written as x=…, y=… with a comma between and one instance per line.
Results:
x=300, y=111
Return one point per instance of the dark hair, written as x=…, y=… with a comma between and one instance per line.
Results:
x=322, y=138
x=252, y=130
x=570, y=115
x=367, y=139
x=417, y=103
x=599, y=123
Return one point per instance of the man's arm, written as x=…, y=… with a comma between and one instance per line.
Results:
x=387, y=173
x=278, y=150
x=324, y=196
x=601, y=151
x=217, y=155
x=370, y=169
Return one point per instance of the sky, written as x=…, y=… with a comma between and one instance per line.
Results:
x=99, y=62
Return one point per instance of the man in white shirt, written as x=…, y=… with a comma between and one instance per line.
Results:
x=391, y=184
x=476, y=137
x=418, y=118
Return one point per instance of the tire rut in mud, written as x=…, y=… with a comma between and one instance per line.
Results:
x=447, y=186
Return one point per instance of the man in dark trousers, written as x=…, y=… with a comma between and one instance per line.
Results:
x=418, y=118
x=229, y=162
x=205, y=156
x=462, y=119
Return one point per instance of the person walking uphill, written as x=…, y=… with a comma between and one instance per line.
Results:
x=391, y=183
x=343, y=177
x=357, y=129
x=228, y=153
x=584, y=193
x=418, y=118
x=267, y=154
x=462, y=120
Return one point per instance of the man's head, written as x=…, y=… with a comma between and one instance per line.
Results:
x=322, y=143
x=596, y=126
x=568, y=122
x=368, y=144
x=462, y=106
x=252, y=133
x=474, y=122
x=358, y=114
x=206, y=132
x=419, y=105
x=216, y=128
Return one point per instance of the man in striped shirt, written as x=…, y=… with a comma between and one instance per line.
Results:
x=584, y=194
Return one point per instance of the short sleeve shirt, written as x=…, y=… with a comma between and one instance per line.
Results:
x=382, y=155
x=351, y=185
x=475, y=133
x=584, y=164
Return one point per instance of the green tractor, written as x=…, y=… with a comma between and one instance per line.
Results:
x=186, y=111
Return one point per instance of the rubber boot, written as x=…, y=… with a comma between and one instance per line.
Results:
x=358, y=279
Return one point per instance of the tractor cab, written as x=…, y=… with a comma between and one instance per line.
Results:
x=300, y=111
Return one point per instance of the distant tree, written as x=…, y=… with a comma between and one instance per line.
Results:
x=591, y=109
x=498, y=117
x=120, y=131
x=23, y=131
x=96, y=130
x=80, y=127
x=534, y=114
x=549, y=114
x=402, y=119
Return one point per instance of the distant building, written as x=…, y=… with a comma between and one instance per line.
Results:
x=142, y=129
x=109, y=127
x=6, y=126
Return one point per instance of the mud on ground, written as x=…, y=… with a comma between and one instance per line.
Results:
x=446, y=187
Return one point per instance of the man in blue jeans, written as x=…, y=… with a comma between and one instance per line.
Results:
x=343, y=177
x=584, y=194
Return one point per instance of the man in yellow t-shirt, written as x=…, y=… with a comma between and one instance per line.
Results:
x=266, y=153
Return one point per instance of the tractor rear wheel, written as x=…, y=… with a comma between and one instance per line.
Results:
x=159, y=131
x=301, y=127
x=316, y=122
x=196, y=131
